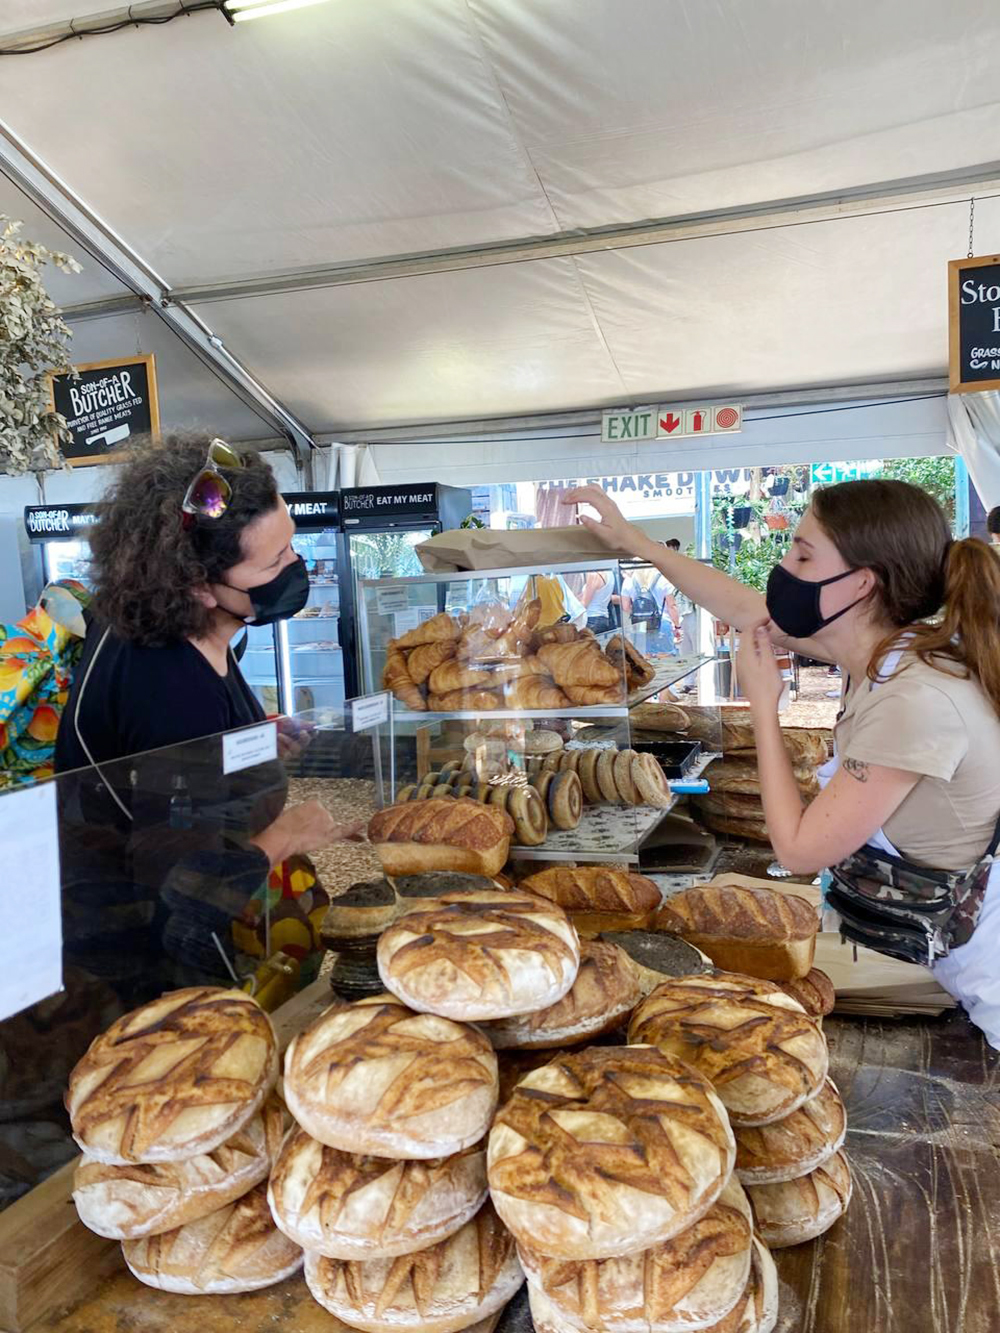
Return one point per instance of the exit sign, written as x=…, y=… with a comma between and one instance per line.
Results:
x=831, y=474
x=668, y=422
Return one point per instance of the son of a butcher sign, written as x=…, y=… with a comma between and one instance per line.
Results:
x=106, y=404
x=974, y=323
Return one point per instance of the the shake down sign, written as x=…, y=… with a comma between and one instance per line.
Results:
x=106, y=403
x=974, y=323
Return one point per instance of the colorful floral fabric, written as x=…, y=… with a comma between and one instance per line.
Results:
x=297, y=903
x=37, y=657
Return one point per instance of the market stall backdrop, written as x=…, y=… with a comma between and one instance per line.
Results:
x=433, y=225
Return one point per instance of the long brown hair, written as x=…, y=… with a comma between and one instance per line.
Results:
x=944, y=594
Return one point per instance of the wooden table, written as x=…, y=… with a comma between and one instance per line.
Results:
x=918, y=1251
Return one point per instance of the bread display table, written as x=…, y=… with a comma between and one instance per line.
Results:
x=918, y=1251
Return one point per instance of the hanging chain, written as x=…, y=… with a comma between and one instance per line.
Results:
x=972, y=224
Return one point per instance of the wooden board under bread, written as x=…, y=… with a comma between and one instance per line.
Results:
x=48, y=1258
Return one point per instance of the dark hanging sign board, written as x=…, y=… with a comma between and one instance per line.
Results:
x=106, y=405
x=363, y=504
x=974, y=324
x=58, y=523
x=314, y=511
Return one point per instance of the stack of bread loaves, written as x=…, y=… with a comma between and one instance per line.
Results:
x=173, y=1111
x=767, y=1060
x=613, y=1167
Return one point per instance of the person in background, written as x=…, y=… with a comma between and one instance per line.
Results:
x=874, y=582
x=993, y=525
x=598, y=590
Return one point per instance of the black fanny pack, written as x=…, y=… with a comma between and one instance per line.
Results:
x=907, y=911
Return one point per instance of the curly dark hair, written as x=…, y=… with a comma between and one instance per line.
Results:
x=144, y=562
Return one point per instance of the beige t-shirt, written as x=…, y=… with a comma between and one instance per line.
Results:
x=943, y=727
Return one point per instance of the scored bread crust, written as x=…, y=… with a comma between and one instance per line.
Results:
x=690, y=1281
x=795, y=1145
x=174, y=1078
x=757, y=1309
x=802, y=1209
x=375, y=1077
x=606, y=989
x=763, y=1056
x=815, y=992
x=236, y=1248
x=480, y=955
x=349, y=1206
x=608, y=1151
x=450, y=1286
x=759, y=931
x=595, y=889
x=126, y=1202
x=441, y=834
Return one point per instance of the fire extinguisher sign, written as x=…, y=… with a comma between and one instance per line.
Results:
x=669, y=422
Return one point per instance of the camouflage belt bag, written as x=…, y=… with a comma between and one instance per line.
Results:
x=907, y=911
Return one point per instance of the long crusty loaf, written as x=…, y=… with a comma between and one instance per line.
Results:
x=580, y=663
x=659, y=717
x=742, y=776
x=764, y=1055
x=757, y=931
x=441, y=834
x=597, y=897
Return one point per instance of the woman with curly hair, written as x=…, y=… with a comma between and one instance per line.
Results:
x=163, y=852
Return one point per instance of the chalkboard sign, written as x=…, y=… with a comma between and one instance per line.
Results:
x=105, y=405
x=974, y=323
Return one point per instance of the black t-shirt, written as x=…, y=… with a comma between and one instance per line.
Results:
x=138, y=699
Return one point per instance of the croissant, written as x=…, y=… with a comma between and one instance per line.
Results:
x=422, y=661
x=562, y=632
x=579, y=664
x=464, y=701
x=397, y=678
x=534, y=692
x=441, y=626
x=492, y=618
x=587, y=696
x=477, y=645
x=456, y=676
x=524, y=666
x=527, y=614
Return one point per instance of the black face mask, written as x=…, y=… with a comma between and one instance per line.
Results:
x=280, y=599
x=793, y=603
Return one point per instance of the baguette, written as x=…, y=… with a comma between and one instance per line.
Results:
x=580, y=663
x=441, y=626
x=396, y=677
x=422, y=660
x=452, y=834
x=756, y=931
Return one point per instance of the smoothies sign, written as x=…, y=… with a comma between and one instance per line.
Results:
x=106, y=404
x=648, y=494
x=974, y=324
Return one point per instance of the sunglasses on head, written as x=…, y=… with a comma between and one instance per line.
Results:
x=209, y=494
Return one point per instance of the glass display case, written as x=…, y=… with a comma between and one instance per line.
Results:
x=60, y=532
x=495, y=689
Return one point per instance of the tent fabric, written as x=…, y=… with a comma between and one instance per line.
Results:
x=353, y=131
x=974, y=432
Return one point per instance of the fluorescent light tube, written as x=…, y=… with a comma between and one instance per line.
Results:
x=242, y=10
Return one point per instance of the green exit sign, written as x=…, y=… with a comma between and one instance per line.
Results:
x=829, y=474
x=638, y=425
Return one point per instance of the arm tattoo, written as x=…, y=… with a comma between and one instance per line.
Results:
x=857, y=769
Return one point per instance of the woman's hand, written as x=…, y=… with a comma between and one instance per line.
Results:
x=612, y=527
x=304, y=828
x=757, y=669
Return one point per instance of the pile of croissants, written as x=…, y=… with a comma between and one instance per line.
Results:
x=492, y=658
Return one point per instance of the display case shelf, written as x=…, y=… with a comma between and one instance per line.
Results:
x=604, y=833
x=670, y=673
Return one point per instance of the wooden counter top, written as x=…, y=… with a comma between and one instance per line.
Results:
x=918, y=1252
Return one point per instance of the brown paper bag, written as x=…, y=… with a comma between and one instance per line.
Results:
x=525, y=548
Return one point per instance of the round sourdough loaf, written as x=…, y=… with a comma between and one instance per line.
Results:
x=757, y=1309
x=375, y=1077
x=126, y=1202
x=346, y=1206
x=763, y=1054
x=684, y=1283
x=605, y=992
x=802, y=1209
x=814, y=991
x=794, y=1146
x=236, y=1248
x=480, y=955
x=173, y=1079
x=450, y=1286
x=608, y=1151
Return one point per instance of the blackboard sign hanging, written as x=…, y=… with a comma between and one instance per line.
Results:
x=106, y=405
x=974, y=324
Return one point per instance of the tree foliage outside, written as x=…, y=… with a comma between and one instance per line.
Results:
x=34, y=340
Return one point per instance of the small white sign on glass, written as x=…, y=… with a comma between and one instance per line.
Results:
x=371, y=710
x=31, y=941
x=253, y=745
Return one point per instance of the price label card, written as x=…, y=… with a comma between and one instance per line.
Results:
x=391, y=600
x=253, y=745
x=31, y=942
x=371, y=710
x=404, y=621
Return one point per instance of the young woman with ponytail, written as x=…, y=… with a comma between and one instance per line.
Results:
x=873, y=582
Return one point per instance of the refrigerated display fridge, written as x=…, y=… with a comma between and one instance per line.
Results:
x=297, y=665
x=60, y=532
x=383, y=525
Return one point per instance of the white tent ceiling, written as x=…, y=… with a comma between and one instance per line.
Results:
x=358, y=132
